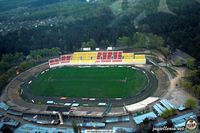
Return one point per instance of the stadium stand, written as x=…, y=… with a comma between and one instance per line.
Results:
x=101, y=57
x=139, y=119
x=76, y=57
x=65, y=59
x=127, y=57
x=140, y=59
x=54, y=61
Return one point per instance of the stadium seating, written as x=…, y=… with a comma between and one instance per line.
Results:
x=101, y=57
x=140, y=59
x=65, y=58
x=54, y=61
x=128, y=57
x=109, y=56
x=76, y=57
x=139, y=56
x=84, y=57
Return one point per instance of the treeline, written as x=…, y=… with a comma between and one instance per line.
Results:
x=106, y=29
x=13, y=64
x=181, y=30
x=191, y=82
x=69, y=37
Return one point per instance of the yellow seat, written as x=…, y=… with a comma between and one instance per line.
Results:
x=127, y=60
x=139, y=56
x=84, y=57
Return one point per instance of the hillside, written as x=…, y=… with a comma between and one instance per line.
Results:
x=32, y=24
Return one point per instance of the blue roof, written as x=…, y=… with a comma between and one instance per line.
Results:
x=160, y=107
x=181, y=108
x=139, y=119
x=93, y=124
x=165, y=104
x=1, y=124
x=110, y=120
x=180, y=120
x=1, y=114
x=126, y=129
x=157, y=109
x=160, y=124
x=11, y=122
x=30, y=128
x=184, y=116
x=169, y=103
x=4, y=106
x=117, y=119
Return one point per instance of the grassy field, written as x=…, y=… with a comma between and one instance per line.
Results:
x=96, y=82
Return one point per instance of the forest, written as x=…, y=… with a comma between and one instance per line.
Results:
x=105, y=24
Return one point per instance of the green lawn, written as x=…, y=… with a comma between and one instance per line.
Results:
x=96, y=82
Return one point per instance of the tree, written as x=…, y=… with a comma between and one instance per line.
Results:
x=7, y=129
x=146, y=126
x=190, y=103
x=155, y=40
x=165, y=52
x=139, y=39
x=124, y=4
x=196, y=90
x=124, y=41
x=147, y=40
x=186, y=84
x=76, y=127
x=168, y=113
x=169, y=124
x=191, y=63
x=4, y=66
x=84, y=45
x=23, y=65
x=191, y=73
x=177, y=62
x=92, y=43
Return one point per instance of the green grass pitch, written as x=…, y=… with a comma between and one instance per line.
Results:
x=89, y=82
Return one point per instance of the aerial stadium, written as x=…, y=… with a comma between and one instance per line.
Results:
x=103, y=66
x=92, y=77
x=93, y=88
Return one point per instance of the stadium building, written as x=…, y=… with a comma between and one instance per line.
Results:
x=98, y=58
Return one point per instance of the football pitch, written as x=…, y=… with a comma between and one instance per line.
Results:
x=89, y=82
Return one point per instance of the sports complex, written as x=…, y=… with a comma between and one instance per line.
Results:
x=97, y=89
x=92, y=77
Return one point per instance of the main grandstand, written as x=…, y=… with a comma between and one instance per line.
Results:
x=98, y=58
